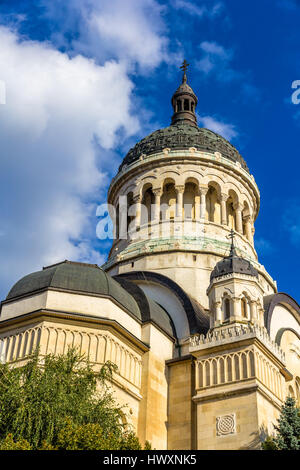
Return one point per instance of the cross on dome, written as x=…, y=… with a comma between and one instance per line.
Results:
x=232, y=235
x=184, y=66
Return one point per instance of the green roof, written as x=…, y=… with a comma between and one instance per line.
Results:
x=182, y=136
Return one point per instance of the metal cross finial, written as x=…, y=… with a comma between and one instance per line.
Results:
x=184, y=66
x=232, y=235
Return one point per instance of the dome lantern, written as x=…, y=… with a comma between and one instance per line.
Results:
x=235, y=294
x=184, y=102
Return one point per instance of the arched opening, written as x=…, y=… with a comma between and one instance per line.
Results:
x=229, y=369
x=244, y=371
x=168, y=201
x=186, y=105
x=147, y=205
x=246, y=220
x=189, y=201
x=207, y=374
x=215, y=372
x=222, y=370
x=237, y=367
x=226, y=308
x=230, y=210
x=178, y=105
x=244, y=307
x=213, y=208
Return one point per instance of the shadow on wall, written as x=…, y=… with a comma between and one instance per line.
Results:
x=258, y=437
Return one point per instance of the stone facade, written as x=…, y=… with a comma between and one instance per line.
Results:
x=207, y=350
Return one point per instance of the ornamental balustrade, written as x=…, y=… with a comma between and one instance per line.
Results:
x=236, y=333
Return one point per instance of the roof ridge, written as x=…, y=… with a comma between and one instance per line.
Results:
x=72, y=262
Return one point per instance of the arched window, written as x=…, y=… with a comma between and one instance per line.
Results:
x=189, y=201
x=226, y=308
x=237, y=367
x=168, y=202
x=245, y=219
x=213, y=209
x=229, y=369
x=186, y=105
x=147, y=206
x=244, y=308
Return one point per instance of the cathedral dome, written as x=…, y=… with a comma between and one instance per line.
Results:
x=184, y=131
x=182, y=136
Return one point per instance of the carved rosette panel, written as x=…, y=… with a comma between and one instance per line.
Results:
x=226, y=424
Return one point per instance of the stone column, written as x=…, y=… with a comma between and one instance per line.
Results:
x=179, y=201
x=137, y=199
x=218, y=313
x=248, y=227
x=197, y=205
x=223, y=199
x=238, y=217
x=236, y=307
x=203, y=192
x=253, y=314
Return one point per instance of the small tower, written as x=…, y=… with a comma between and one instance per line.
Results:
x=184, y=102
x=235, y=295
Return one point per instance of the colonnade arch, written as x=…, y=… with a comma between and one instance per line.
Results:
x=212, y=201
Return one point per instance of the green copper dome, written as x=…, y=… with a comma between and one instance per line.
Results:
x=184, y=131
x=182, y=136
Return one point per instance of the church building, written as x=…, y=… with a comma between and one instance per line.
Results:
x=206, y=346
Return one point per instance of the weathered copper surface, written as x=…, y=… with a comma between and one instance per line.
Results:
x=183, y=136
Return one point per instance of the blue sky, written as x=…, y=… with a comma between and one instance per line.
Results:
x=85, y=79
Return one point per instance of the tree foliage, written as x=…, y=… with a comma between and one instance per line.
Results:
x=59, y=402
x=287, y=435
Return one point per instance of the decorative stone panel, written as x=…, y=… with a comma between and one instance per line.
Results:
x=226, y=424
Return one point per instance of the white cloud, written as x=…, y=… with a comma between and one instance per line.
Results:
x=224, y=129
x=51, y=169
x=132, y=31
x=196, y=10
x=216, y=59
